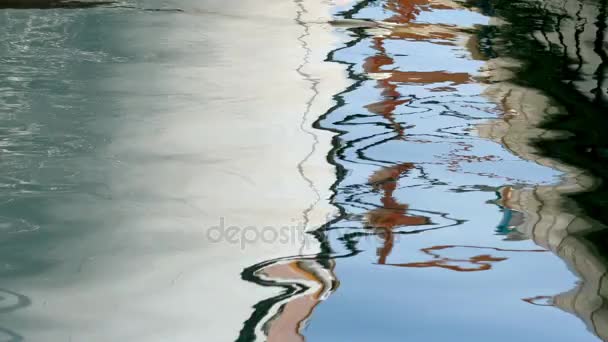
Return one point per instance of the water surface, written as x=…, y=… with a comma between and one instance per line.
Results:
x=445, y=159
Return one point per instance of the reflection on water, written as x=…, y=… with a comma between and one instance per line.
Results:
x=482, y=262
x=440, y=168
x=469, y=155
x=568, y=50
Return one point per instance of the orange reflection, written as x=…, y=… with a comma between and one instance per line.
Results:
x=288, y=324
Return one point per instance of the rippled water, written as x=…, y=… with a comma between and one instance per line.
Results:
x=441, y=232
x=445, y=159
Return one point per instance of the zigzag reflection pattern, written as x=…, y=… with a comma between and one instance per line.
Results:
x=400, y=128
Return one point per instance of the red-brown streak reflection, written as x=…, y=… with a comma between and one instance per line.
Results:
x=386, y=107
x=481, y=262
x=392, y=214
x=405, y=12
x=443, y=34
